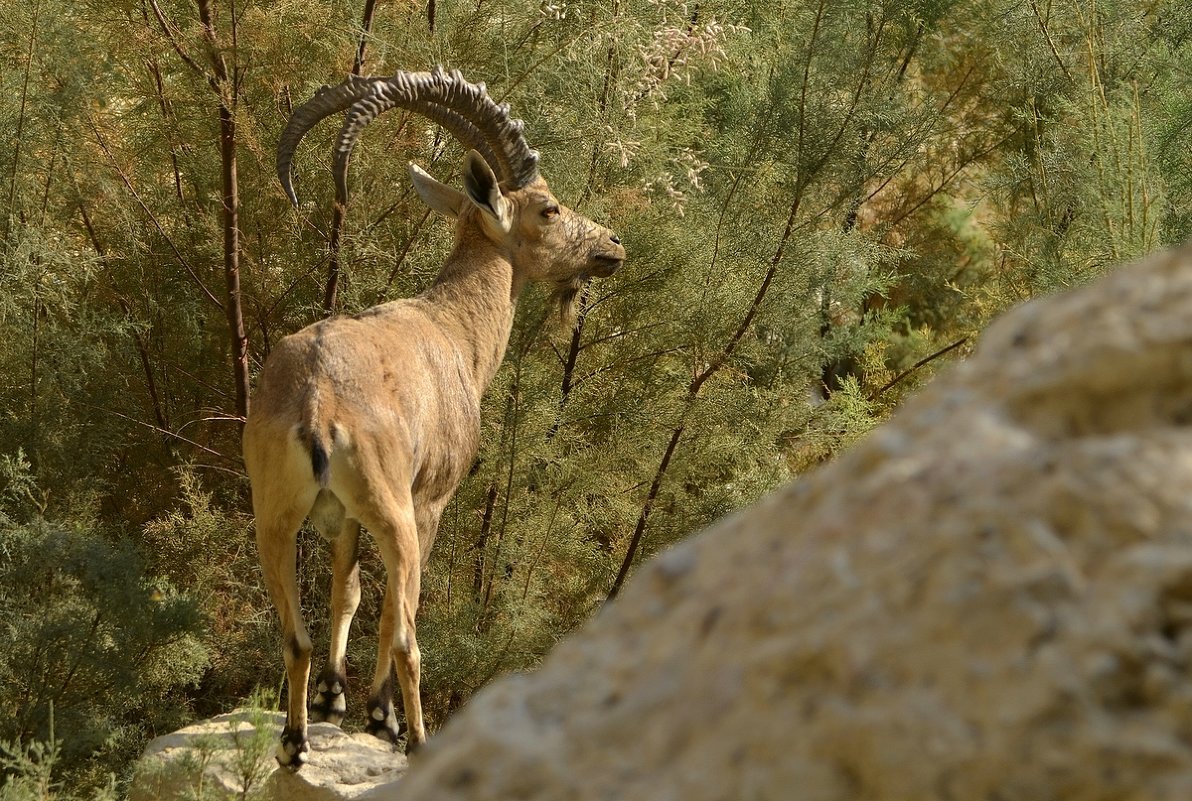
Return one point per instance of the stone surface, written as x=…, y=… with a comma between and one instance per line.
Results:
x=342, y=766
x=990, y=597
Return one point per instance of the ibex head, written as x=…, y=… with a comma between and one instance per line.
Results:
x=502, y=191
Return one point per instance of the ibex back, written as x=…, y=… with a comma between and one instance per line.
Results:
x=372, y=420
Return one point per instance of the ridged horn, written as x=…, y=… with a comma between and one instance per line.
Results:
x=463, y=108
x=326, y=101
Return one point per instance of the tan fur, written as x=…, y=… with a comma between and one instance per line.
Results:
x=392, y=395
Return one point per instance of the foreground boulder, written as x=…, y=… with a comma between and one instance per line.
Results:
x=988, y=598
x=231, y=756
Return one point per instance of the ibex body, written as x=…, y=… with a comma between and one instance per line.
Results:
x=374, y=419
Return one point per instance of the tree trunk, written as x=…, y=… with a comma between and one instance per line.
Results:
x=227, y=87
x=231, y=209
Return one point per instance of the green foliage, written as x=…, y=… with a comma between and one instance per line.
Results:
x=30, y=774
x=822, y=202
x=204, y=545
x=95, y=643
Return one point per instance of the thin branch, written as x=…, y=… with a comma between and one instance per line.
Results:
x=730, y=346
x=201, y=382
x=573, y=350
x=513, y=409
x=401, y=257
x=577, y=330
x=331, y=290
x=152, y=427
x=370, y=7
x=947, y=179
x=644, y=515
x=273, y=307
x=550, y=525
x=654, y=354
x=81, y=652
x=528, y=71
x=339, y=210
x=226, y=84
x=819, y=15
x=20, y=135
x=45, y=195
x=149, y=213
x=910, y=51
x=601, y=107
x=478, y=568
x=558, y=355
x=623, y=286
x=692, y=392
x=922, y=362
x=1051, y=43
x=619, y=335
x=163, y=103
x=168, y=29
x=138, y=340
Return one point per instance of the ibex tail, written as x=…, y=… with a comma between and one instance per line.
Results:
x=320, y=460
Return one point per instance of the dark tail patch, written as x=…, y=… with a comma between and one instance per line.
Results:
x=320, y=461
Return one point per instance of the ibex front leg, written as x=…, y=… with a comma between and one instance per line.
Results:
x=328, y=703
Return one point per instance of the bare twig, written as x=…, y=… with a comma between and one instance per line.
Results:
x=141, y=345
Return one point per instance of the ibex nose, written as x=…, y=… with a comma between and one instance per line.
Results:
x=616, y=239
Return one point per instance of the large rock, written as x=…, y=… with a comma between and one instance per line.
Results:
x=231, y=756
x=988, y=598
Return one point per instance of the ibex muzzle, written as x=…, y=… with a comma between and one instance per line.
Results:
x=372, y=420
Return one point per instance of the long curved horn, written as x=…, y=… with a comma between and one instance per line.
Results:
x=326, y=101
x=463, y=108
x=487, y=126
x=369, y=108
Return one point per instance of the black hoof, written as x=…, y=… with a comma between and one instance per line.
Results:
x=293, y=749
x=382, y=723
x=413, y=746
x=328, y=704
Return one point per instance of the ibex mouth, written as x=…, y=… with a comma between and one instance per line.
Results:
x=604, y=266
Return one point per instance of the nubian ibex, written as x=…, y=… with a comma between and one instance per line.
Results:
x=373, y=419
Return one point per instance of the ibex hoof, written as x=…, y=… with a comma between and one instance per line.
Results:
x=293, y=749
x=329, y=704
x=413, y=746
x=382, y=723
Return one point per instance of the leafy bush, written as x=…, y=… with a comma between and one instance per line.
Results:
x=90, y=642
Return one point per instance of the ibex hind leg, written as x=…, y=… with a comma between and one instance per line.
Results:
x=396, y=534
x=277, y=531
x=407, y=661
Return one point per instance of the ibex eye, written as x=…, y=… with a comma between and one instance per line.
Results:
x=550, y=212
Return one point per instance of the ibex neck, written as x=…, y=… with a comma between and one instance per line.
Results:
x=476, y=296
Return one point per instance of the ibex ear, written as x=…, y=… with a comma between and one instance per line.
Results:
x=482, y=187
x=442, y=198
